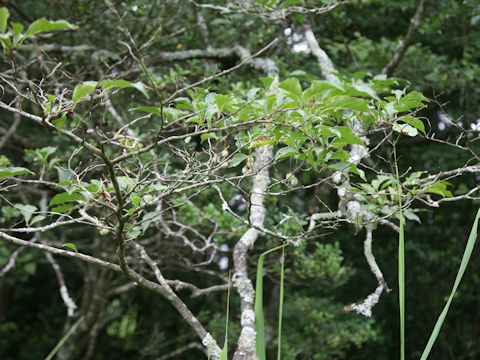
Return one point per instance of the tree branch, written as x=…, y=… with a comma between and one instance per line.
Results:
x=246, y=343
x=403, y=44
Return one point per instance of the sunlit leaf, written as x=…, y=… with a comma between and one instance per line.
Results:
x=71, y=246
x=237, y=159
x=26, y=211
x=65, y=197
x=286, y=152
x=292, y=86
x=112, y=84
x=4, y=15
x=43, y=25
x=13, y=171
x=405, y=129
x=83, y=90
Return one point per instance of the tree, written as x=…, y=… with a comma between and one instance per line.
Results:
x=165, y=168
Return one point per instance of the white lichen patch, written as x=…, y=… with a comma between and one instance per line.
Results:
x=225, y=206
x=248, y=318
x=366, y=307
x=357, y=153
x=337, y=177
x=353, y=209
x=249, y=237
x=244, y=288
x=247, y=338
x=68, y=301
x=213, y=350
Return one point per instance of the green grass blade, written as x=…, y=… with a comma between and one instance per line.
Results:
x=280, y=307
x=224, y=353
x=258, y=307
x=401, y=263
x=466, y=257
x=63, y=339
x=401, y=283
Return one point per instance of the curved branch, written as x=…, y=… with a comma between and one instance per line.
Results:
x=403, y=45
x=365, y=308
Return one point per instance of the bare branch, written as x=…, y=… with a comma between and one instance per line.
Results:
x=403, y=44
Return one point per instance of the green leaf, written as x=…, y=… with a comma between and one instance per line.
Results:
x=440, y=189
x=150, y=109
x=60, y=122
x=416, y=123
x=347, y=137
x=207, y=136
x=405, y=129
x=348, y=102
x=361, y=90
x=410, y=101
x=4, y=14
x=62, y=209
x=83, y=90
x=43, y=25
x=463, y=265
x=65, y=197
x=237, y=159
x=27, y=211
x=112, y=84
x=411, y=216
x=222, y=101
x=135, y=200
x=17, y=32
x=358, y=171
x=13, y=171
x=71, y=246
x=286, y=152
x=36, y=219
x=133, y=231
x=292, y=86
x=267, y=81
x=64, y=174
x=340, y=155
x=320, y=89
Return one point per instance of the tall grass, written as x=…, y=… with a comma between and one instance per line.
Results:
x=64, y=339
x=224, y=353
x=401, y=262
x=280, y=307
x=259, y=317
x=463, y=265
x=401, y=275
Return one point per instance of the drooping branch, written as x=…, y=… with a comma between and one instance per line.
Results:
x=349, y=204
x=365, y=308
x=67, y=300
x=403, y=44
